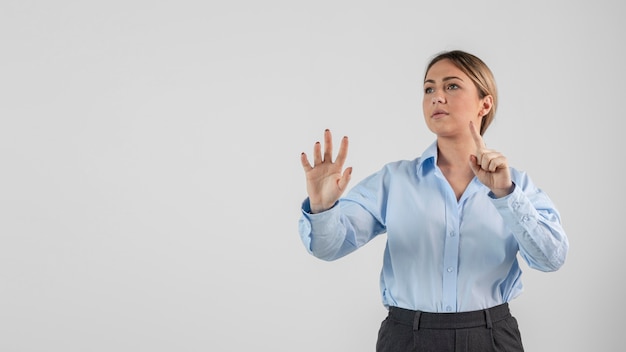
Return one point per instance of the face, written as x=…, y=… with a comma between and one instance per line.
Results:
x=451, y=101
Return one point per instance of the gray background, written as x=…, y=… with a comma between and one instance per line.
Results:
x=150, y=180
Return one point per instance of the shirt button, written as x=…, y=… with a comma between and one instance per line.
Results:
x=450, y=269
x=516, y=205
x=448, y=308
x=452, y=233
x=525, y=218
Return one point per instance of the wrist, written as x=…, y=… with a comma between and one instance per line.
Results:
x=503, y=192
x=319, y=208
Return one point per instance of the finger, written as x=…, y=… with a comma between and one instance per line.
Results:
x=343, y=152
x=473, y=162
x=491, y=160
x=328, y=146
x=478, y=139
x=486, y=158
x=317, y=153
x=497, y=163
x=305, y=162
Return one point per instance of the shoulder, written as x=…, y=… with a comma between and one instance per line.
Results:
x=401, y=164
x=521, y=178
x=401, y=167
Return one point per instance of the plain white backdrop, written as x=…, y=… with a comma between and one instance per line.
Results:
x=150, y=180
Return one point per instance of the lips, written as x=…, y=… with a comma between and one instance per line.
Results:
x=439, y=113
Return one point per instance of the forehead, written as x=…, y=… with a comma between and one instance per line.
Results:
x=444, y=69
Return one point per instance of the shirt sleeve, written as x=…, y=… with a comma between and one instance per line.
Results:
x=342, y=229
x=536, y=225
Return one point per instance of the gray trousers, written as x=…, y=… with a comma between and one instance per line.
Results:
x=493, y=329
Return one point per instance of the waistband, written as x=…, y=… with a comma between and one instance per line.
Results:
x=424, y=320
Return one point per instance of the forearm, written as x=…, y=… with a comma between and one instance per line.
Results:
x=322, y=233
x=336, y=232
x=536, y=225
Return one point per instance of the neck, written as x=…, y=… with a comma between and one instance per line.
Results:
x=453, y=161
x=454, y=153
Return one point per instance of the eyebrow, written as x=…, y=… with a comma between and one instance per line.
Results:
x=443, y=80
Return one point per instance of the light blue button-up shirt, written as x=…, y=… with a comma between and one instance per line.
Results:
x=442, y=255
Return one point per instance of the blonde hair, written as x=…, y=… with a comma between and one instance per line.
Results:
x=478, y=72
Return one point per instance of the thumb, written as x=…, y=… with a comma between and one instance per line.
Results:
x=345, y=179
x=473, y=163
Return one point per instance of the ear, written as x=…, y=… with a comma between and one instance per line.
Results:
x=486, y=103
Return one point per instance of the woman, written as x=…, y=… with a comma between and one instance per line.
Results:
x=455, y=218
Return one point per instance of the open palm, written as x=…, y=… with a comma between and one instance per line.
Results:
x=326, y=180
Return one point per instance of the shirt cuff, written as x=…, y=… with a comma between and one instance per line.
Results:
x=493, y=196
x=517, y=210
x=321, y=223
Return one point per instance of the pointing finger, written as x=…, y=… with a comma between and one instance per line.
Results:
x=480, y=144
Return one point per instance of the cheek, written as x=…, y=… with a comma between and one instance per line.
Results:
x=466, y=103
x=425, y=104
x=425, y=110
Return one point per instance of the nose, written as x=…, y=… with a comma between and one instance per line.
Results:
x=437, y=99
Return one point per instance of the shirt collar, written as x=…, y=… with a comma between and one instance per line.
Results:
x=428, y=163
x=428, y=160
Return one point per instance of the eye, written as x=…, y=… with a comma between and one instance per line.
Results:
x=428, y=90
x=452, y=86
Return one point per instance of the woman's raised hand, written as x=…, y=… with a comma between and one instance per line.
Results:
x=326, y=180
x=490, y=167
